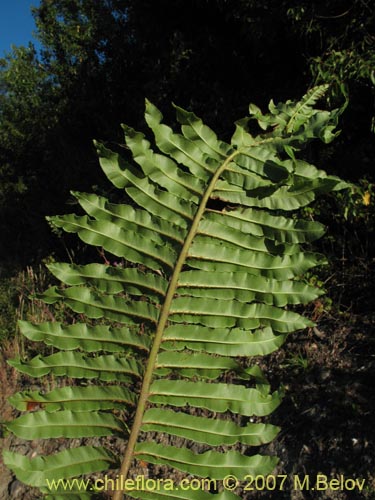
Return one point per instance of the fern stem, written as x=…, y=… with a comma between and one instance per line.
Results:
x=164, y=313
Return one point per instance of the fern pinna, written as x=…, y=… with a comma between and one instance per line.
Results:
x=202, y=288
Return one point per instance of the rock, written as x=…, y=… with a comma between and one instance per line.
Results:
x=16, y=489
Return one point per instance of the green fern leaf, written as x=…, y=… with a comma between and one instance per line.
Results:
x=212, y=258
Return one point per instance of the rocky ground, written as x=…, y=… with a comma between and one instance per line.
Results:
x=327, y=417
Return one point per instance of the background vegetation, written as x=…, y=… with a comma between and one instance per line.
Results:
x=99, y=60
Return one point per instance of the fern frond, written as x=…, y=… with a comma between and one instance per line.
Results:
x=202, y=288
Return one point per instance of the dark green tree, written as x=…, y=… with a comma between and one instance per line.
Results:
x=100, y=59
x=52, y=105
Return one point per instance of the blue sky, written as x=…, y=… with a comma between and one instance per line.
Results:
x=16, y=23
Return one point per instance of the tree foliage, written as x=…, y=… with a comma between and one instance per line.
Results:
x=99, y=59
